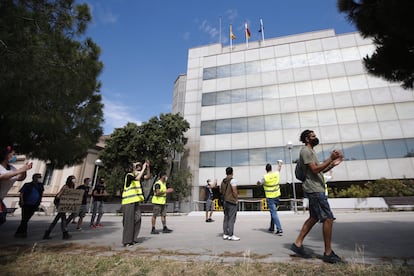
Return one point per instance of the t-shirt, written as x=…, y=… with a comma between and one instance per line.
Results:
x=32, y=193
x=100, y=189
x=6, y=184
x=209, y=193
x=85, y=194
x=314, y=183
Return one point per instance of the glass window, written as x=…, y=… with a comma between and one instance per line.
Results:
x=346, y=116
x=290, y=120
x=257, y=157
x=325, y=150
x=238, y=96
x=386, y=112
x=353, y=151
x=410, y=146
x=254, y=93
x=223, y=97
x=240, y=158
x=208, y=99
x=223, y=71
x=237, y=69
x=255, y=123
x=207, y=159
x=223, y=158
x=47, y=179
x=276, y=153
x=238, y=125
x=395, y=148
x=405, y=110
x=223, y=126
x=374, y=150
x=365, y=114
x=210, y=73
x=273, y=122
x=208, y=128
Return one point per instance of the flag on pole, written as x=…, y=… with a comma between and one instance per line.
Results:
x=261, y=29
x=247, y=30
x=232, y=36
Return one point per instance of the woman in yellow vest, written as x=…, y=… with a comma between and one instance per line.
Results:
x=270, y=182
x=131, y=198
x=159, y=200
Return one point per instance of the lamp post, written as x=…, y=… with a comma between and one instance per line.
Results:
x=98, y=163
x=290, y=147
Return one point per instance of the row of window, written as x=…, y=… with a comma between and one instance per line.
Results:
x=368, y=150
x=339, y=116
x=287, y=62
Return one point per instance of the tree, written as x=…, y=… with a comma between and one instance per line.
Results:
x=51, y=106
x=390, y=25
x=157, y=140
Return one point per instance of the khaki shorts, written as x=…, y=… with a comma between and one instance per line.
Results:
x=159, y=210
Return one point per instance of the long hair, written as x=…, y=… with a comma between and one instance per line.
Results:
x=69, y=181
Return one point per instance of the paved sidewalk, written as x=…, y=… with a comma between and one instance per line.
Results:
x=358, y=237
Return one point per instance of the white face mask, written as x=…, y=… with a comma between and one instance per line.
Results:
x=166, y=179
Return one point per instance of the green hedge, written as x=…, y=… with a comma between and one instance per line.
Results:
x=379, y=188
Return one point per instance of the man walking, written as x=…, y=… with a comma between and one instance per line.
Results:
x=99, y=194
x=30, y=197
x=209, y=199
x=314, y=187
x=270, y=182
x=228, y=188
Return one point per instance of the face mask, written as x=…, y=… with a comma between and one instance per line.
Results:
x=314, y=142
x=166, y=179
x=74, y=181
x=13, y=159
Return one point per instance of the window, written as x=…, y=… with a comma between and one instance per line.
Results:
x=48, y=174
x=395, y=148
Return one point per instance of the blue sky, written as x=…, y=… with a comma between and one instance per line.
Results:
x=145, y=43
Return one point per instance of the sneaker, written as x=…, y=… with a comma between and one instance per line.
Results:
x=99, y=225
x=128, y=244
x=226, y=237
x=233, y=238
x=271, y=230
x=211, y=220
x=93, y=226
x=279, y=232
x=300, y=251
x=78, y=228
x=331, y=258
x=153, y=231
x=166, y=230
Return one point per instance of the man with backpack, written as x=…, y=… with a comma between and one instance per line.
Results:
x=314, y=188
x=30, y=197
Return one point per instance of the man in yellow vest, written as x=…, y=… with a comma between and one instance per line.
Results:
x=270, y=182
x=131, y=198
x=159, y=200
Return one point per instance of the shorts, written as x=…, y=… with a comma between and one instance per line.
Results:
x=209, y=205
x=319, y=207
x=82, y=211
x=159, y=210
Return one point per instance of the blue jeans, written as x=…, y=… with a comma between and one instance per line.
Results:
x=272, y=205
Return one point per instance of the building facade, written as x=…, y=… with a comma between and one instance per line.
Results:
x=245, y=105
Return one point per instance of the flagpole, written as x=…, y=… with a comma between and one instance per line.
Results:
x=220, y=31
x=262, y=29
x=246, y=34
x=231, y=38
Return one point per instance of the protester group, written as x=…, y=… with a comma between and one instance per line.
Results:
x=314, y=187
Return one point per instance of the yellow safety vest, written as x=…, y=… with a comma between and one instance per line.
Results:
x=133, y=193
x=271, y=185
x=161, y=199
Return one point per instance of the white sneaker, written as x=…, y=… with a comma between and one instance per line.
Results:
x=226, y=237
x=234, y=238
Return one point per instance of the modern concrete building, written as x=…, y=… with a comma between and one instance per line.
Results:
x=245, y=105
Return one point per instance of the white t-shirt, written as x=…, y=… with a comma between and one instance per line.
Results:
x=5, y=185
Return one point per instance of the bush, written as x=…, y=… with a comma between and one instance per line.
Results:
x=379, y=188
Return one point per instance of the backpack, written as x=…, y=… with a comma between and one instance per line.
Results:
x=299, y=173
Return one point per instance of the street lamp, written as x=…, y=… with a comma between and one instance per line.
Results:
x=98, y=163
x=290, y=147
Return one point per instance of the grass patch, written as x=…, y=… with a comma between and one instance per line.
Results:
x=74, y=259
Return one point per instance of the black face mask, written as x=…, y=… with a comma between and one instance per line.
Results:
x=314, y=142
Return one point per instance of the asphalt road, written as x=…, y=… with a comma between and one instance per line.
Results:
x=358, y=237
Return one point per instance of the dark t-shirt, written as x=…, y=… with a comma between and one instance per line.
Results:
x=85, y=194
x=98, y=192
x=32, y=193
